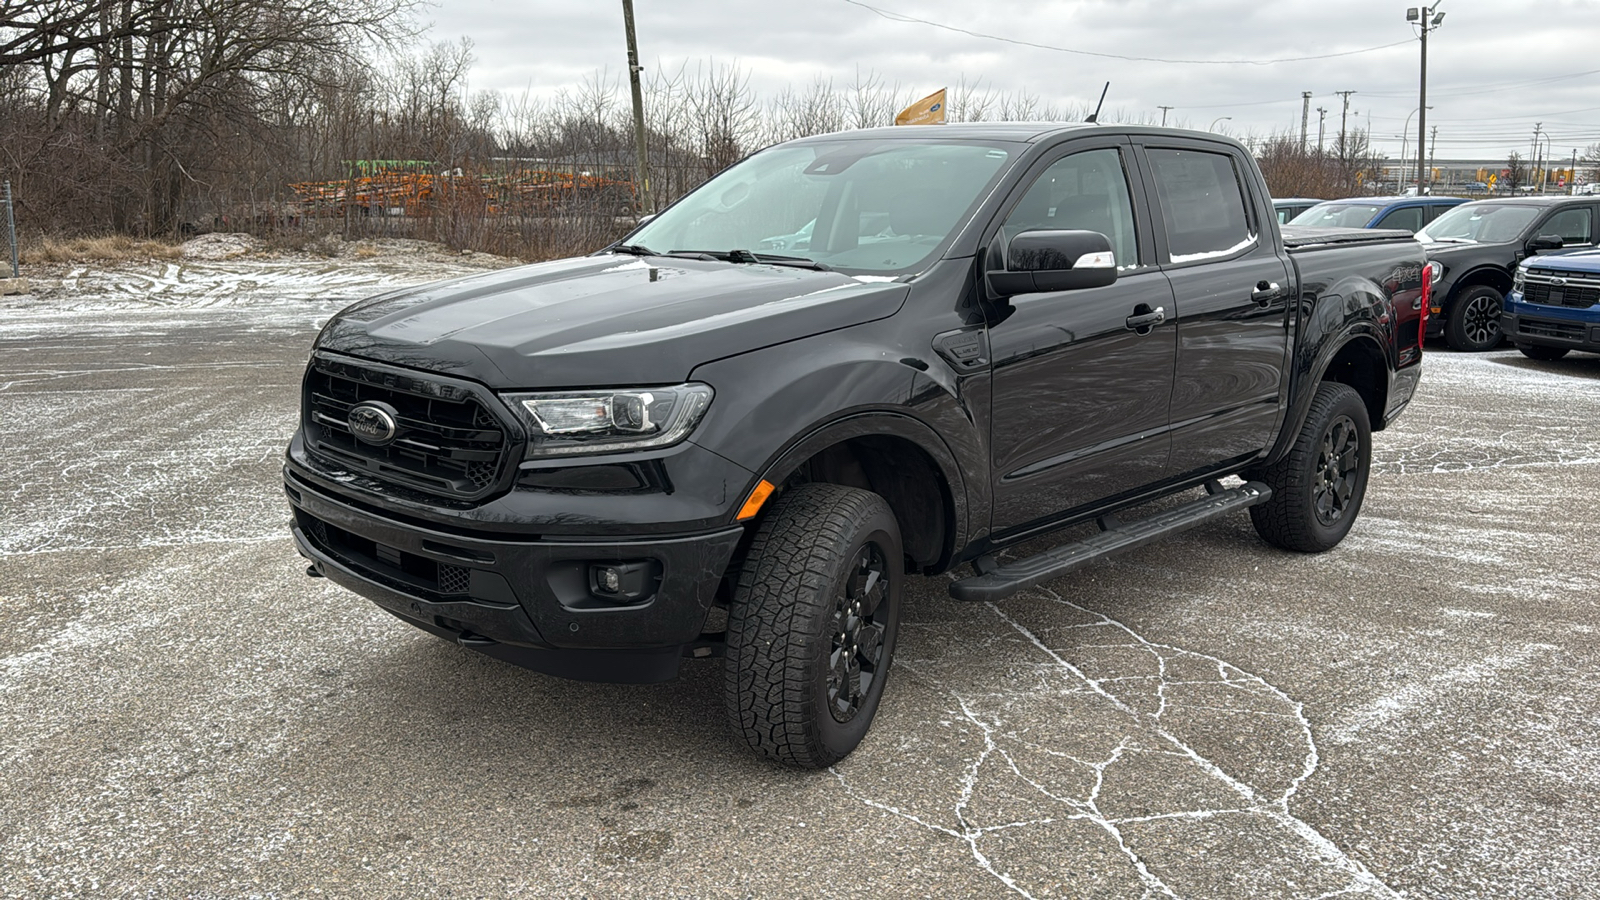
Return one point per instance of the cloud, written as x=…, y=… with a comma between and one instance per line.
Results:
x=1483, y=62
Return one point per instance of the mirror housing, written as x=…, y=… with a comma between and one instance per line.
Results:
x=1051, y=260
x=1545, y=242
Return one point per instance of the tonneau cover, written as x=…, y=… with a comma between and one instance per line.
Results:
x=1302, y=237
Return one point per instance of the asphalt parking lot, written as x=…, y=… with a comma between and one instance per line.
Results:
x=184, y=713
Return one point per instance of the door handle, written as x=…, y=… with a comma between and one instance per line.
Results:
x=1265, y=292
x=1142, y=322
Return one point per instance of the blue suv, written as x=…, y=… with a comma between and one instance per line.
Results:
x=1554, y=306
x=1406, y=213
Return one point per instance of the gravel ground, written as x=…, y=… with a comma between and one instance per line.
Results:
x=183, y=713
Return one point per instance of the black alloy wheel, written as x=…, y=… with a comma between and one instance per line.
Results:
x=1340, y=470
x=1474, y=322
x=1318, y=485
x=856, y=660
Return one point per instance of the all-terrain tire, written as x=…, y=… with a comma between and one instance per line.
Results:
x=1540, y=352
x=817, y=605
x=1317, y=487
x=1474, y=321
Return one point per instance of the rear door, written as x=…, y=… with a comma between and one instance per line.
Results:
x=1231, y=287
x=1080, y=398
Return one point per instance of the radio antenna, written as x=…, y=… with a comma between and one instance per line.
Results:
x=1095, y=116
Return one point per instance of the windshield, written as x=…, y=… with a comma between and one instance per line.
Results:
x=1488, y=224
x=1337, y=215
x=861, y=206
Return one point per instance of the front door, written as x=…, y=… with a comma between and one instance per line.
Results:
x=1080, y=398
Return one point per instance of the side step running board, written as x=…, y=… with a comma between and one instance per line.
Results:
x=999, y=582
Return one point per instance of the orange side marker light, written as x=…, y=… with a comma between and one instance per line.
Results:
x=758, y=496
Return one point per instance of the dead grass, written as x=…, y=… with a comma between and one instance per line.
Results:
x=107, y=248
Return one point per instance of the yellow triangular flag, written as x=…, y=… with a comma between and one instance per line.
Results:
x=927, y=111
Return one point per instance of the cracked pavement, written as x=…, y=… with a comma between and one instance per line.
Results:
x=183, y=713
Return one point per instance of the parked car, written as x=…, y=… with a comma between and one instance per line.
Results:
x=1474, y=249
x=1554, y=306
x=1289, y=207
x=1408, y=213
x=679, y=447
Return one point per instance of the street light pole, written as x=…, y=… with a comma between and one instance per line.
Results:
x=1429, y=19
x=1219, y=119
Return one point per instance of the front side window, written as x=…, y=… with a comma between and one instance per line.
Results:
x=1086, y=191
x=1409, y=219
x=860, y=206
x=1572, y=225
x=1202, y=202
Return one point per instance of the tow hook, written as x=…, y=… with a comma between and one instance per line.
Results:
x=312, y=572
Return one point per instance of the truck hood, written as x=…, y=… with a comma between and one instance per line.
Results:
x=602, y=320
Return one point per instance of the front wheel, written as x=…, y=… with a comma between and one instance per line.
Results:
x=1474, y=322
x=1535, y=351
x=813, y=622
x=1318, y=485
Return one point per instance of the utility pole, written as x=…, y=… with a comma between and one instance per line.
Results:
x=1344, y=147
x=1322, y=116
x=1164, y=114
x=641, y=147
x=1534, y=156
x=1305, y=117
x=1432, y=145
x=1572, y=174
x=1429, y=19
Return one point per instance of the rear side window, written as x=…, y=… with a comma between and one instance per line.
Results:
x=1202, y=201
x=1409, y=219
x=1572, y=225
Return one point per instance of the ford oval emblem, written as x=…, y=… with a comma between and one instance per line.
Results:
x=373, y=423
x=1558, y=281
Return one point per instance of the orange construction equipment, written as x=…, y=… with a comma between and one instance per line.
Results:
x=523, y=192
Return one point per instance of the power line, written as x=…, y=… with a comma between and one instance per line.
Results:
x=901, y=17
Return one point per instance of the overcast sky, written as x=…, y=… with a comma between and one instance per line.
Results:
x=1494, y=68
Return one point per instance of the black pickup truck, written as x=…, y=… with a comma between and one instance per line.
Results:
x=847, y=360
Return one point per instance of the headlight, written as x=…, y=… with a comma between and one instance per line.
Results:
x=610, y=421
x=1517, y=280
x=1436, y=271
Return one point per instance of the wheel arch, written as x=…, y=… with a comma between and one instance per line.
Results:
x=1356, y=358
x=1491, y=275
x=897, y=457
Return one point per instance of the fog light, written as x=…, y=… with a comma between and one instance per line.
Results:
x=624, y=582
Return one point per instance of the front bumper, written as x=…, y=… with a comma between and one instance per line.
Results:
x=1530, y=324
x=528, y=601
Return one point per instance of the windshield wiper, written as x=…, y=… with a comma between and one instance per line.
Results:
x=634, y=250
x=746, y=257
x=1452, y=240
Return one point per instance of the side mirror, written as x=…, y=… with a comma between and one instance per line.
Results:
x=1045, y=260
x=1545, y=242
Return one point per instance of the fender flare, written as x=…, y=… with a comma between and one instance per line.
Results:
x=886, y=423
x=1300, y=400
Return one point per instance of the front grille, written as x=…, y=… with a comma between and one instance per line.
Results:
x=1579, y=291
x=1547, y=328
x=448, y=443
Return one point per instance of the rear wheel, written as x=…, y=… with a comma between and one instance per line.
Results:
x=812, y=626
x=1317, y=487
x=1534, y=351
x=1474, y=322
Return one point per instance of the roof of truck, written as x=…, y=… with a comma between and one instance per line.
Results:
x=1002, y=131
